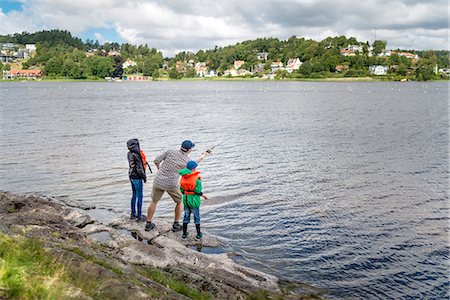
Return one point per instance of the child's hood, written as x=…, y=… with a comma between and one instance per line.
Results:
x=133, y=146
x=188, y=173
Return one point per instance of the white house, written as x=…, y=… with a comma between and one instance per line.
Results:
x=30, y=47
x=378, y=70
x=293, y=64
x=276, y=65
x=201, y=69
x=211, y=73
x=129, y=63
x=262, y=55
x=351, y=50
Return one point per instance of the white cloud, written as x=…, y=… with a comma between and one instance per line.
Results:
x=193, y=25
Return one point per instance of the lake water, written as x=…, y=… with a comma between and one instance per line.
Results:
x=340, y=185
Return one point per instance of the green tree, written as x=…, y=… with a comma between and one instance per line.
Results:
x=25, y=65
x=54, y=66
x=173, y=74
x=190, y=72
x=378, y=46
x=99, y=66
x=426, y=66
x=72, y=69
x=402, y=69
x=155, y=74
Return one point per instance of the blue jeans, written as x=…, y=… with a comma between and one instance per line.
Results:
x=187, y=215
x=136, y=188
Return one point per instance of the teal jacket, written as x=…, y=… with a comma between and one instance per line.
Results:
x=191, y=200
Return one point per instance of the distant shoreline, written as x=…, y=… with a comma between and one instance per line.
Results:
x=331, y=79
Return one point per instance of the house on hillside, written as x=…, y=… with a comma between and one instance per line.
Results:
x=378, y=70
x=262, y=56
x=407, y=55
x=129, y=63
x=114, y=53
x=201, y=69
x=30, y=47
x=385, y=53
x=259, y=68
x=276, y=65
x=352, y=50
x=238, y=64
x=181, y=66
x=236, y=73
x=293, y=64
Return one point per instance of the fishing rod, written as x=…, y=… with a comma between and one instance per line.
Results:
x=150, y=169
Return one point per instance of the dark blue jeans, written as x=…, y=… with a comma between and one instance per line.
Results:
x=187, y=215
x=137, y=194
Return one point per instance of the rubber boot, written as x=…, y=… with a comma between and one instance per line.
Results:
x=185, y=233
x=199, y=233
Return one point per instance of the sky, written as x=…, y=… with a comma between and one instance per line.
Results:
x=190, y=25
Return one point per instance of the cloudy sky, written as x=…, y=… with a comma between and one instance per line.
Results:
x=173, y=26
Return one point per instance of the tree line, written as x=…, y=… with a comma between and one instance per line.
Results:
x=59, y=54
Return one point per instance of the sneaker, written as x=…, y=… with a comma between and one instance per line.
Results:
x=176, y=227
x=199, y=236
x=185, y=235
x=141, y=218
x=149, y=226
x=132, y=217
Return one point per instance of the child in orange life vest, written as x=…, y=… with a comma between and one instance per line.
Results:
x=191, y=188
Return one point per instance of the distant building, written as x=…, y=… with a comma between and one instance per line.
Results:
x=236, y=73
x=129, y=63
x=262, y=56
x=351, y=50
x=407, y=55
x=211, y=73
x=341, y=68
x=9, y=46
x=378, y=70
x=165, y=65
x=114, y=53
x=30, y=47
x=135, y=78
x=276, y=65
x=201, y=69
x=293, y=64
x=238, y=64
x=30, y=74
x=385, y=53
x=181, y=66
x=259, y=68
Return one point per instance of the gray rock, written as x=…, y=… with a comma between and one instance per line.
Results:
x=125, y=243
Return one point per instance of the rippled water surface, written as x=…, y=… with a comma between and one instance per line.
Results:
x=340, y=185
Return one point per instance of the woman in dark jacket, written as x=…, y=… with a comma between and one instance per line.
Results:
x=136, y=174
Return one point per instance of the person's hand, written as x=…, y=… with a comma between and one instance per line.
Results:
x=205, y=197
x=145, y=180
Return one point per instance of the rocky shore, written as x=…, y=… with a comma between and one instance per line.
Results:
x=117, y=259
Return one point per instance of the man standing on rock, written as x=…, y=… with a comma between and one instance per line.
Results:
x=167, y=180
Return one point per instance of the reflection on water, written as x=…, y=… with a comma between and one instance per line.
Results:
x=341, y=185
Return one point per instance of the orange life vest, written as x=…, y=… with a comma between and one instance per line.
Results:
x=189, y=181
x=144, y=159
